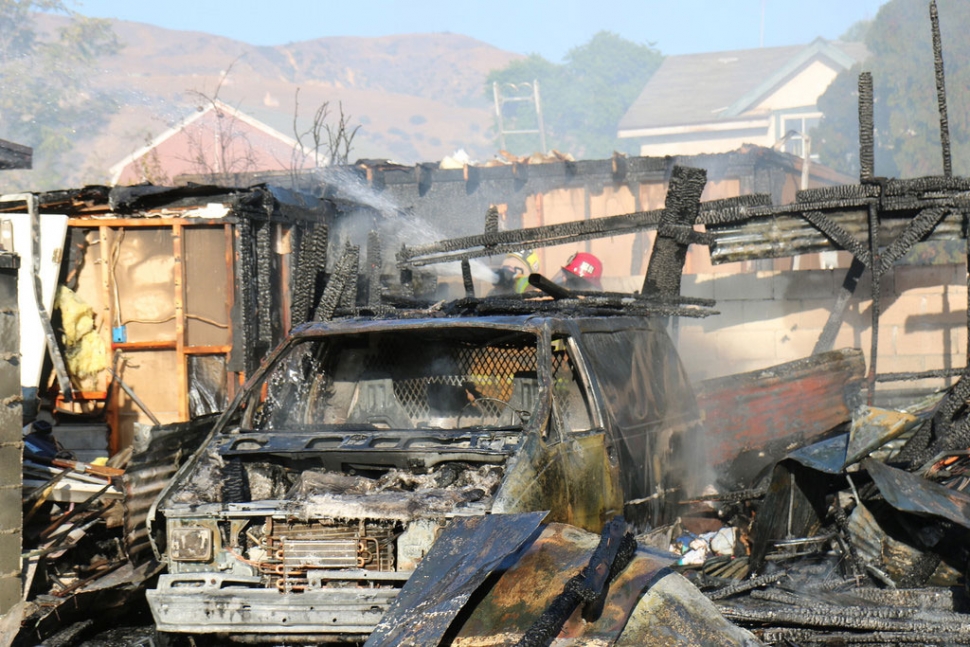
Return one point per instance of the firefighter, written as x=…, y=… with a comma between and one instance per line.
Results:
x=513, y=276
x=581, y=272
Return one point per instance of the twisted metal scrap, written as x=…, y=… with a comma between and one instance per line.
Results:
x=587, y=588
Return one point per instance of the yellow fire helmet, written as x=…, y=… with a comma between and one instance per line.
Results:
x=527, y=256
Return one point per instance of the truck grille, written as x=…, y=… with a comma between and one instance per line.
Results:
x=295, y=549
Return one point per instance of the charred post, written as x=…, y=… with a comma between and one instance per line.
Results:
x=675, y=232
x=940, y=90
x=866, y=128
x=373, y=270
x=466, y=278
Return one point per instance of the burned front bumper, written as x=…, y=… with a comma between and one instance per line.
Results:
x=212, y=603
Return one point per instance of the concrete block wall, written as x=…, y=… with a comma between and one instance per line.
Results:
x=770, y=317
x=11, y=442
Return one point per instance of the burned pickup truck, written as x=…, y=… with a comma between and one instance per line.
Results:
x=329, y=477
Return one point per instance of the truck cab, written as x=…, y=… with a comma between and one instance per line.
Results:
x=330, y=475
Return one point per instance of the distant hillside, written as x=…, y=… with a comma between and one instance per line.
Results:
x=417, y=97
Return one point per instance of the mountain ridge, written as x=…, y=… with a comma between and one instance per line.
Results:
x=417, y=97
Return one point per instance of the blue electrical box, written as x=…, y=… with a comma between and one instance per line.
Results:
x=119, y=335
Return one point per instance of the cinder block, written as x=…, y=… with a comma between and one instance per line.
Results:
x=739, y=287
x=9, y=332
x=700, y=286
x=11, y=418
x=11, y=464
x=11, y=507
x=924, y=342
x=811, y=284
x=806, y=314
x=9, y=592
x=10, y=548
x=893, y=340
x=9, y=377
x=887, y=285
x=854, y=337
x=744, y=345
x=795, y=344
x=928, y=278
x=730, y=313
x=902, y=364
x=8, y=290
x=767, y=313
x=958, y=345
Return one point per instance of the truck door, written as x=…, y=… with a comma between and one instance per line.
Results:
x=591, y=475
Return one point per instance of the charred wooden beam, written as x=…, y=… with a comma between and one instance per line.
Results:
x=915, y=231
x=340, y=280
x=373, y=270
x=540, y=282
x=866, y=128
x=15, y=156
x=826, y=340
x=674, y=233
x=466, y=279
x=940, y=89
x=876, y=273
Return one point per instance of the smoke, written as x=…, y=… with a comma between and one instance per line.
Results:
x=369, y=210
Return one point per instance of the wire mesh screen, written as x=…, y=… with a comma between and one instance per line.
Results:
x=485, y=374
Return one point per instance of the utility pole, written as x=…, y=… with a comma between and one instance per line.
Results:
x=519, y=92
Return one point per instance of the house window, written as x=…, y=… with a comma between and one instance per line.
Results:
x=795, y=128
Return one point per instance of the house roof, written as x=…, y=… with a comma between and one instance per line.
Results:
x=118, y=169
x=718, y=86
x=15, y=156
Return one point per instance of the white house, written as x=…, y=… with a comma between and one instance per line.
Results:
x=716, y=102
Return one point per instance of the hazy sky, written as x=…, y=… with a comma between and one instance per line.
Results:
x=547, y=27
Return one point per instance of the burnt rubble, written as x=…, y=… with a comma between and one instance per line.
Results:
x=844, y=525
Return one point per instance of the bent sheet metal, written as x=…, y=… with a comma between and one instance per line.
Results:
x=449, y=574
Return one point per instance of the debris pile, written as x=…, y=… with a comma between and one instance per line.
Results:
x=84, y=537
x=857, y=539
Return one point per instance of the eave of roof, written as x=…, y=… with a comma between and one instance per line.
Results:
x=818, y=47
x=705, y=88
x=15, y=156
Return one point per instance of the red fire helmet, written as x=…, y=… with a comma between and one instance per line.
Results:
x=585, y=266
